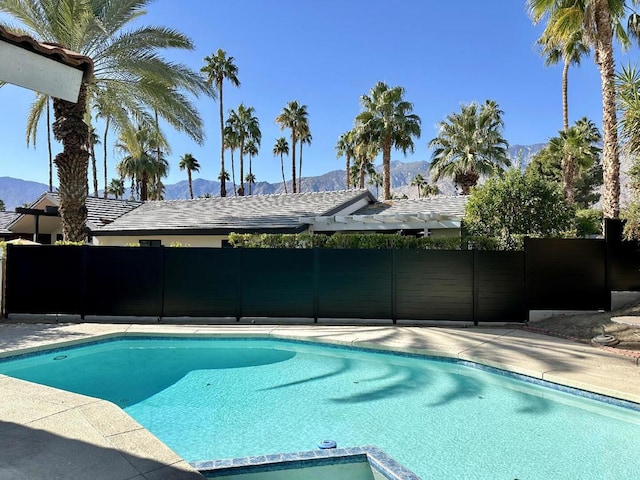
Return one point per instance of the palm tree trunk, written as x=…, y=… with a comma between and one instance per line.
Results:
x=284, y=180
x=386, y=169
x=567, y=161
x=241, y=189
x=94, y=166
x=605, y=61
x=348, y=175
x=565, y=95
x=250, y=174
x=104, y=145
x=300, y=170
x=293, y=161
x=233, y=175
x=190, y=183
x=363, y=163
x=73, y=162
x=49, y=145
x=223, y=184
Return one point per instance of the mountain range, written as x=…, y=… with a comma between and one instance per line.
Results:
x=16, y=192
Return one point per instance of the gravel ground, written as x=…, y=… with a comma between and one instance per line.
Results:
x=585, y=326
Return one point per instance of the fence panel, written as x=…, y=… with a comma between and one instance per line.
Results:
x=201, y=282
x=566, y=274
x=354, y=284
x=499, y=287
x=124, y=281
x=44, y=279
x=277, y=283
x=434, y=285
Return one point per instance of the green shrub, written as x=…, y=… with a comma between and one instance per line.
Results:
x=588, y=222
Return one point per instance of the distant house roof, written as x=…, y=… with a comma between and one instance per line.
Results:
x=100, y=211
x=220, y=216
x=6, y=218
x=435, y=212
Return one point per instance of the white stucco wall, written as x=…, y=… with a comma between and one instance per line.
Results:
x=212, y=241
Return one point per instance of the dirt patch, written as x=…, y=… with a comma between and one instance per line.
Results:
x=584, y=326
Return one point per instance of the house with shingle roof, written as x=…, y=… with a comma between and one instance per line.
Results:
x=207, y=222
x=41, y=222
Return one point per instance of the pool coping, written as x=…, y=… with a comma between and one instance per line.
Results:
x=511, y=349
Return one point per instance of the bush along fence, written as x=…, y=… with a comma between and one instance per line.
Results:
x=373, y=283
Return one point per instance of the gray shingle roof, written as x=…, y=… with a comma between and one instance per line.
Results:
x=441, y=204
x=5, y=219
x=101, y=211
x=253, y=213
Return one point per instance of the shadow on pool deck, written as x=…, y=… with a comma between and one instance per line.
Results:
x=28, y=453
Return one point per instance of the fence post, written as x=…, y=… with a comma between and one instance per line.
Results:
x=394, y=297
x=475, y=287
x=316, y=280
x=240, y=267
x=84, y=268
x=162, y=280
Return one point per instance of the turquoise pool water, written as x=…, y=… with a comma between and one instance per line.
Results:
x=230, y=398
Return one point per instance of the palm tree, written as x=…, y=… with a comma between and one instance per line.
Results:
x=430, y=189
x=282, y=148
x=469, y=144
x=345, y=147
x=366, y=149
x=251, y=149
x=419, y=182
x=127, y=66
x=580, y=143
x=598, y=20
x=116, y=188
x=141, y=163
x=94, y=139
x=219, y=68
x=628, y=91
x=375, y=179
x=305, y=137
x=190, y=164
x=246, y=128
x=231, y=142
x=294, y=117
x=570, y=51
x=251, y=180
x=388, y=116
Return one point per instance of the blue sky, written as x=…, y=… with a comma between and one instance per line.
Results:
x=327, y=54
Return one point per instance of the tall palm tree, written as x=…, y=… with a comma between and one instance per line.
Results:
x=190, y=164
x=375, y=179
x=293, y=116
x=305, y=137
x=251, y=149
x=345, y=147
x=389, y=117
x=580, y=143
x=140, y=162
x=128, y=65
x=366, y=149
x=570, y=51
x=94, y=139
x=219, y=67
x=281, y=148
x=246, y=127
x=419, y=182
x=231, y=142
x=469, y=144
x=116, y=188
x=251, y=180
x=598, y=20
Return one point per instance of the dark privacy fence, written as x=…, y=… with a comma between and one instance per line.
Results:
x=478, y=286
x=466, y=286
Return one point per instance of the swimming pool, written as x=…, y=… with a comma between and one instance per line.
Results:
x=443, y=419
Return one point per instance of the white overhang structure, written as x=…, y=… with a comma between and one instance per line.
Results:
x=45, y=68
x=424, y=221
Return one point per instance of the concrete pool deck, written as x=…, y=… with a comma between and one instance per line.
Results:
x=48, y=433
